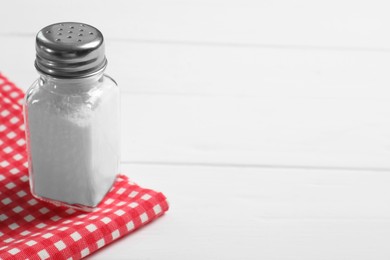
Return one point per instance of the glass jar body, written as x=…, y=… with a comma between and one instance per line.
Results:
x=72, y=132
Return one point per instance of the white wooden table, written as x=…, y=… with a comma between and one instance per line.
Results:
x=266, y=124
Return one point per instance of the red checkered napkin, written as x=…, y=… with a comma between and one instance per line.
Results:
x=32, y=229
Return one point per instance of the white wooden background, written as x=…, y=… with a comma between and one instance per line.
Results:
x=266, y=123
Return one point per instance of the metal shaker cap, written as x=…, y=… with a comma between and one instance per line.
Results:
x=70, y=50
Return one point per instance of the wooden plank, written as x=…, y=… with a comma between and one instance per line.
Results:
x=263, y=72
x=236, y=213
x=255, y=131
x=332, y=23
x=225, y=71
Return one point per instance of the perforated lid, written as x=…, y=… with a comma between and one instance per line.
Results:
x=70, y=50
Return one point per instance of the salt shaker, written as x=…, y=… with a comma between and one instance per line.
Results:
x=72, y=118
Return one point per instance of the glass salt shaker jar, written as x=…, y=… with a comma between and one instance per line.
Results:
x=72, y=118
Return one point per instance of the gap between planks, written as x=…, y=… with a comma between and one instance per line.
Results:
x=227, y=44
x=262, y=166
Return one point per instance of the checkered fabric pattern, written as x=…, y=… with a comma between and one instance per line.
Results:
x=33, y=229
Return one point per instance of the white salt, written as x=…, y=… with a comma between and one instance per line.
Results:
x=74, y=144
